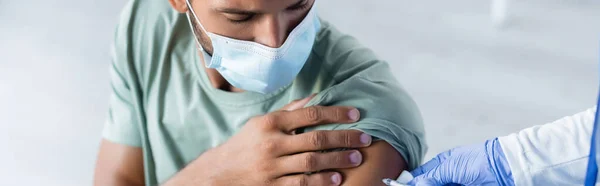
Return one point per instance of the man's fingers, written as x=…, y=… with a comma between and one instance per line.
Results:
x=289, y=121
x=317, y=161
x=324, y=140
x=322, y=178
x=298, y=104
x=431, y=164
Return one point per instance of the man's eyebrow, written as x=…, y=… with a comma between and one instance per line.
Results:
x=240, y=11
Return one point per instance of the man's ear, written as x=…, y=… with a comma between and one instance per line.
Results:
x=179, y=5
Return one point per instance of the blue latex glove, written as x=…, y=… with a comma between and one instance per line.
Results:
x=481, y=164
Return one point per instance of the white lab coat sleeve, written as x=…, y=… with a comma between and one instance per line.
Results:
x=552, y=154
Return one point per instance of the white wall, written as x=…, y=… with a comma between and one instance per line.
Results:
x=471, y=81
x=53, y=89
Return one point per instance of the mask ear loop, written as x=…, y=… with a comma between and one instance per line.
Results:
x=194, y=32
x=213, y=61
x=190, y=9
x=194, y=14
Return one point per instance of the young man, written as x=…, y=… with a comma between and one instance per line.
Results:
x=250, y=92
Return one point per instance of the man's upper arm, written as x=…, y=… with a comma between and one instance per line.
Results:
x=119, y=165
x=380, y=160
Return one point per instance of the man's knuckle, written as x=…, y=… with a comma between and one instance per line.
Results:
x=313, y=114
x=302, y=180
x=269, y=121
x=256, y=123
x=270, y=182
x=269, y=146
x=338, y=115
x=310, y=161
x=265, y=167
x=317, y=139
x=346, y=138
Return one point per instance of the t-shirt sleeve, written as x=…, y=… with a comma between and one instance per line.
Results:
x=387, y=113
x=362, y=80
x=121, y=125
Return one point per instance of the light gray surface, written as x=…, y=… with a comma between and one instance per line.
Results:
x=471, y=81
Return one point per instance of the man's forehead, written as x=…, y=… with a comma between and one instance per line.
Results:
x=251, y=5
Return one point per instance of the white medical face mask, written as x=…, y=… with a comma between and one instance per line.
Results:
x=254, y=67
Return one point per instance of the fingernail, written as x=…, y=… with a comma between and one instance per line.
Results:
x=336, y=179
x=353, y=114
x=355, y=157
x=365, y=139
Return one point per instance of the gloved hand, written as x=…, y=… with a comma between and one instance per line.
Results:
x=481, y=164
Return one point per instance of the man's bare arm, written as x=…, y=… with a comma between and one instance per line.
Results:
x=122, y=165
x=119, y=165
x=380, y=160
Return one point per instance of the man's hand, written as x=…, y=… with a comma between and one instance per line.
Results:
x=265, y=151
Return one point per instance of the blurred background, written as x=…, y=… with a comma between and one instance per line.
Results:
x=472, y=78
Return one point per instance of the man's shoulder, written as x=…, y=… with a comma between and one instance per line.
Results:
x=144, y=17
x=343, y=57
x=353, y=75
x=148, y=34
